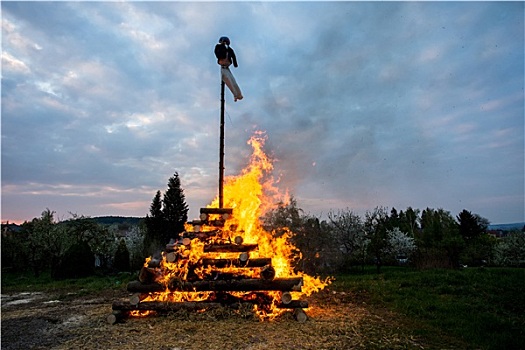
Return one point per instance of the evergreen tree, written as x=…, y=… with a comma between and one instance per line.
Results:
x=394, y=219
x=470, y=226
x=175, y=209
x=154, y=225
x=167, y=216
x=478, y=245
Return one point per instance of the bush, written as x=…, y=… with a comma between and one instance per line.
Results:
x=78, y=261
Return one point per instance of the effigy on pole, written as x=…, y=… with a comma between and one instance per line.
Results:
x=225, y=57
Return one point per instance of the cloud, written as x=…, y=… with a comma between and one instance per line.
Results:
x=364, y=103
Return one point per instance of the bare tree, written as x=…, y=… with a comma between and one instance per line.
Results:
x=348, y=231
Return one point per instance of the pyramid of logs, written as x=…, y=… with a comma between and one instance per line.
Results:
x=219, y=283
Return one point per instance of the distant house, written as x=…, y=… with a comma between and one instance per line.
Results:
x=497, y=233
x=9, y=229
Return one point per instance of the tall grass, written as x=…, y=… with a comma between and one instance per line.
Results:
x=483, y=307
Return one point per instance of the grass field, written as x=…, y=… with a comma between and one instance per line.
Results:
x=26, y=282
x=481, y=308
x=485, y=307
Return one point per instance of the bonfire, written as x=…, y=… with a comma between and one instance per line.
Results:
x=226, y=257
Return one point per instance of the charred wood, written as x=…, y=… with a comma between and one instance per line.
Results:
x=165, y=306
x=196, y=305
x=138, y=287
x=154, y=263
x=216, y=223
x=221, y=263
x=268, y=272
x=244, y=285
x=282, y=284
x=229, y=248
x=294, y=304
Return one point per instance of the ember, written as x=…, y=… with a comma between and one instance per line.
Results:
x=226, y=258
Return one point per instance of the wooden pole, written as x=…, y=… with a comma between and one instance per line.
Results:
x=221, y=149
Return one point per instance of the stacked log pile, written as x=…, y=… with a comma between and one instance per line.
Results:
x=216, y=282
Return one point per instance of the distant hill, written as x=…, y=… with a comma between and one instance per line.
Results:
x=507, y=227
x=112, y=220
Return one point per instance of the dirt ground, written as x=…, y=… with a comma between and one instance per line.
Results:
x=337, y=320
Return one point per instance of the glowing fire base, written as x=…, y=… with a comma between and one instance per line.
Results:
x=215, y=279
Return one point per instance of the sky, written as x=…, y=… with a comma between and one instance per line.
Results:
x=363, y=104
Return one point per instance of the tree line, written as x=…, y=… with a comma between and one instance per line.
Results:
x=429, y=238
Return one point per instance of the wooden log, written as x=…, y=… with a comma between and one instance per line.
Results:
x=172, y=244
x=116, y=316
x=138, y=287
x=226, y=276
x=221, y=263
x=201, y=234
x=217, y=223
x=216, y=211
x=300, y=315
x=286, y=298
x=282, y=284
x=229, y=248
x=243, y=258
x=294, y=304
x=163, y=306
x=171, y=257
x=268, y=272
x=146, y=275
x=137, y=298
x=244, y=285
x=154, y=263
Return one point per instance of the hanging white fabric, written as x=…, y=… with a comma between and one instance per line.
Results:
x=229, y=80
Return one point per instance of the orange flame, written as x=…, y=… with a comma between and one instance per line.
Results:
x=250, y=195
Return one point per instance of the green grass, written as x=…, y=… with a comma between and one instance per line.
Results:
x=26, y=282
x=483, y=307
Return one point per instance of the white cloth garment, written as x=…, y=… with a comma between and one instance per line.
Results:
x=229, y=80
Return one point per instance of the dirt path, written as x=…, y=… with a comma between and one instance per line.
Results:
x=336, y=321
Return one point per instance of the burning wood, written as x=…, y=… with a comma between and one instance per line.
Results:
x=268, y=273
x=162, y=306
x=241, y=285
x=226, y=259
x=241, y=262
x=229, y=248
